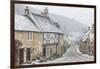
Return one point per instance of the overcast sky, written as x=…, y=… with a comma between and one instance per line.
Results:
x=83, y=15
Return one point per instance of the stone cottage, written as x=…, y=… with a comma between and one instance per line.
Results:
x=87, y=42
x=37, y=35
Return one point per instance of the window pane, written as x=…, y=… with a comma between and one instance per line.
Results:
x=29, y=35
x=28, y=54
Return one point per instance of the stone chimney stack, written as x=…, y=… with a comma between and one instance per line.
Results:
x=45, y=12
x=27, y=11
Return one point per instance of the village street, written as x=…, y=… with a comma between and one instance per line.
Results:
x=43, y=37
x=73, y=55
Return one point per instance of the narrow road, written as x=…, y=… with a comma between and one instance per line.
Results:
x=73, y=55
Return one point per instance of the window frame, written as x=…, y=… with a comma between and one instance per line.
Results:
x=29, y=36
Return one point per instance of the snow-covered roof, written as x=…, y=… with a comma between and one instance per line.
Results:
x=34, y=22
x=46, y=24
x=86, y=35
x=22, y=23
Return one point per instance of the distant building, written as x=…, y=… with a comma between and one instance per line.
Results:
x=87, y=42
x=37, y=36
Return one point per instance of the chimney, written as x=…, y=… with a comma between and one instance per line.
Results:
x=27, y=11
x=45, y=12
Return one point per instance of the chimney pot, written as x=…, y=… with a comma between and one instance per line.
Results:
x=27, y=11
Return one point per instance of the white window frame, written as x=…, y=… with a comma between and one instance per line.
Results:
x=30, y=36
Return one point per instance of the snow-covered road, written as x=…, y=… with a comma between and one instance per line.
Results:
x=73, y=55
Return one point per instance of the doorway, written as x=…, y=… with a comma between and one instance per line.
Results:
x=21, y=56
x=28, y=56
x=44, y=52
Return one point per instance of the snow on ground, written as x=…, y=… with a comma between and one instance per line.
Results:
x=72, y=54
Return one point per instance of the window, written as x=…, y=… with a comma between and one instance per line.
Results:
x=30, y=36
x=21, y=56
x=47, y=50
x=44, y=52
x=51, y=51
x=28, y=54
x=32, y=50
x=48, y=36
x=52, y=40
